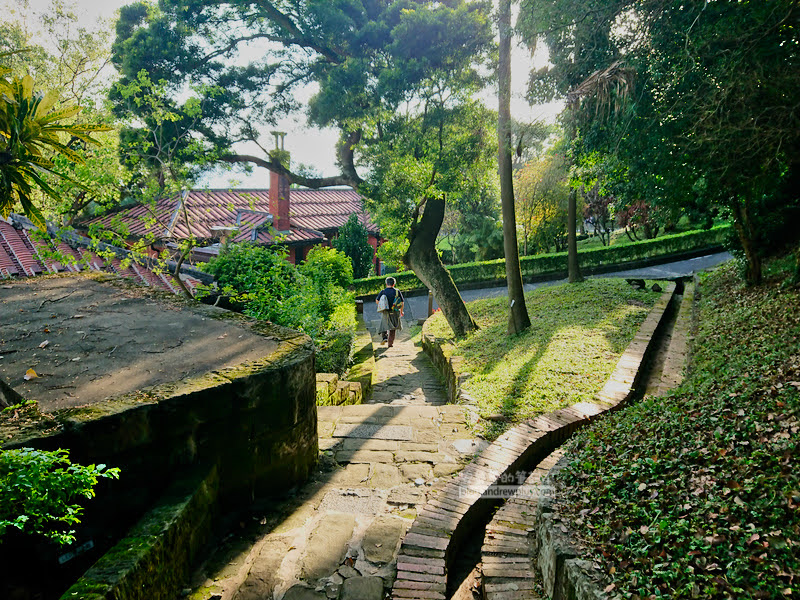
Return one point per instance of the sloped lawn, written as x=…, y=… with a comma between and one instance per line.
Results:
x=577, y=335
x=697, y=495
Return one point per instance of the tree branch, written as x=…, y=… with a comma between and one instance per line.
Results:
x=310, y=182
x=286, y=23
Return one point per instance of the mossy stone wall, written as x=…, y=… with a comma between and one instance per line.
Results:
x=255, y=423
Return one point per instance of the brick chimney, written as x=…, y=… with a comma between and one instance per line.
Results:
x=279, y=186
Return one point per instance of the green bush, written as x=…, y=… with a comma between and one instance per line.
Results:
x=39, y=489
x=353, y=240
x=545, y=264
x=266, y=286
x=329, y=263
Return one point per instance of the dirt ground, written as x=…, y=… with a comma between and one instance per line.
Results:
x=81, y=339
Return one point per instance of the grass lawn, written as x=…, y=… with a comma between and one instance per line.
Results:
x=577, y=335
x=697, y=495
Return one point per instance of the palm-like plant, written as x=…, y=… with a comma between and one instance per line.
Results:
x=32, y=130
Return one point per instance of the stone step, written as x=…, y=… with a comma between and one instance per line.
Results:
x=508, y=567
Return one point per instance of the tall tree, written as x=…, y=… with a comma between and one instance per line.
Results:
x=518, y=319
x=714, y=115
x=373, y=62
x=438, y=154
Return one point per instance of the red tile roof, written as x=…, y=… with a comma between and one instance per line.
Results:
x=22, y=255
x=312, y=213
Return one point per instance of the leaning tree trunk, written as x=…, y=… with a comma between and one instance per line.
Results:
x=572, y=239
x=422, y=258
x=518, y=319
x=741, y=223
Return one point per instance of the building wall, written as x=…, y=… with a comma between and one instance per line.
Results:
x=375, y=242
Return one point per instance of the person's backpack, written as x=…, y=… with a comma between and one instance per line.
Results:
x=383, y=303
x=398, y=303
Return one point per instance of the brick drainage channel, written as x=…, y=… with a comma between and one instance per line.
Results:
x=432, y=564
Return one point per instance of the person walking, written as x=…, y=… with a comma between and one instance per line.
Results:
x=390, y=306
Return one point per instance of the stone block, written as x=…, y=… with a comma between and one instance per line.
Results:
x=326, y=385
x=352, y=475
x=553, y=551
x=445, y=469
x=579, y=580
x=362, y=588
x=385, y=476
x=327, y=546
x=414, y=471
x=363, y=456
x=301, y=592
x=382, y=538
x=262, y=578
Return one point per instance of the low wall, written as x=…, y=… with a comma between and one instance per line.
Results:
x=254, y=425
x=445, y=521
x=356, y=387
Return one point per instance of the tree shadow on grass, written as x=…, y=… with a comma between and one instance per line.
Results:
x=605, y=308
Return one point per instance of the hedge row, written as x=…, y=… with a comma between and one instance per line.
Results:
x=544, y=264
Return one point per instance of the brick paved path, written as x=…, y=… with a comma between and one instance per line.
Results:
x=339, y=537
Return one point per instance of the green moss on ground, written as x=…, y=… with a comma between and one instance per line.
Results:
x=697, y=495
x=577, y=335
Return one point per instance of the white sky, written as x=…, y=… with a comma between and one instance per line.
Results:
x=316, y=147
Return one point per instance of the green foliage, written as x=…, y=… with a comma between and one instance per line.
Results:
x=711, y=120
x=353, y=240
x=68, y=56
x=265, y=285
x=577, y=334
x=329, y=263
x=39, y=492
x=32, y=131
x=364, y=58
x=542, y=193
x=551, y=264
x=447, y=149
x=697, y=495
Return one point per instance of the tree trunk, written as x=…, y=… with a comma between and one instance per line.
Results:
x=518, y=313
x=741, y=222
x=572, y=239
x=422, y=258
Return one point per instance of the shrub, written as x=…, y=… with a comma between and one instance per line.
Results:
x=39, y=489
x=353, y=240
x=266, y=286
x=328, y=263
x=551, y=264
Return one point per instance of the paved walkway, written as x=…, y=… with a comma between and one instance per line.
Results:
x=339, y=537
x=405, y=375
